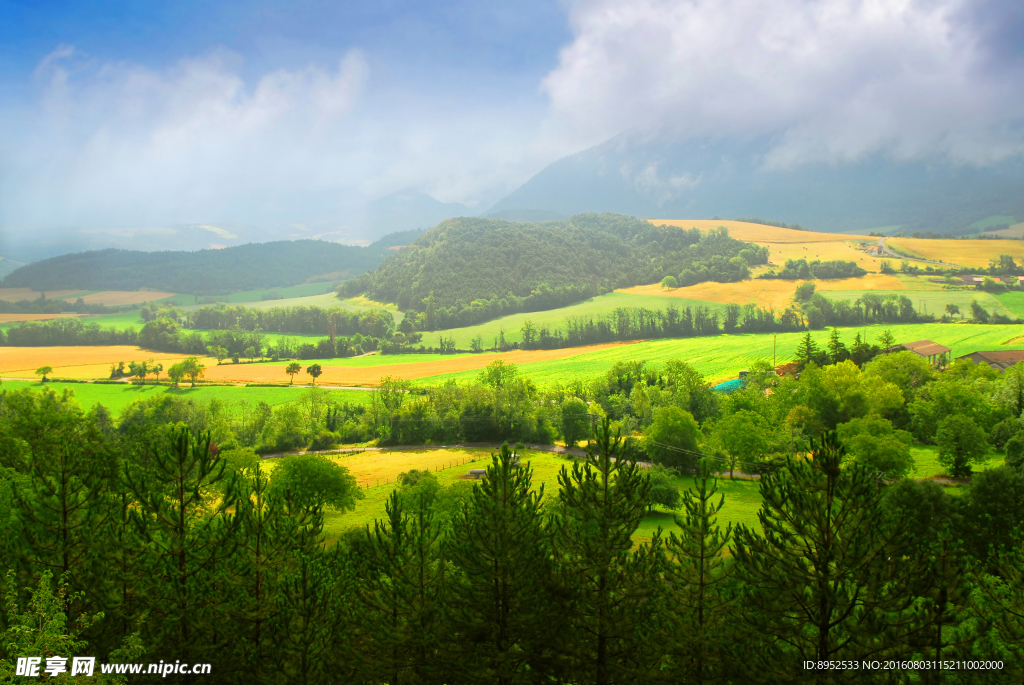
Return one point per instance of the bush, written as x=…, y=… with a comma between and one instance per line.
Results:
x=664, y=491
x=805, y=291
x=1015, y=451
x=325, y=440
x=575, y=421
x=1003, y=431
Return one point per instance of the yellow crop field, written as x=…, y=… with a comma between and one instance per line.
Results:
x=76, y=362
x=759, y=233
x=19, y=294
x=339, y=374
x=825, y=251
x=15, y=318
x=386, y=465
x=972, y=253
x=774, y=293
x=116, y=297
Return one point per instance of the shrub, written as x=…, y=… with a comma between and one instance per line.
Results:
x=324, y=440
x=1015, y=451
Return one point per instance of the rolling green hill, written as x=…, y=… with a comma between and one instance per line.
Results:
x=469, y=270
x=206, y=272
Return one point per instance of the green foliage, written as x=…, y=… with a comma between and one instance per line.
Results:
x=469, y=270
x=43, y=372
x=601, y=503
x=1015, y=451
x=314, y=370
x=406, y=590
x=669, y=282
x=876, y=445
x=673, y=438
x=804, y=292
x=795, y=269
x=180, y=514
x=698, y=630
x=818, y=569
x=575, y=420
x=313, y=481
x=961, y=443
x=664, y=491
x=501, y=595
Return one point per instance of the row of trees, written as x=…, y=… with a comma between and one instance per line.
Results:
x=146, y=540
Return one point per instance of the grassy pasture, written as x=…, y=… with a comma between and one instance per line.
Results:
x=720, y=358
x=742, y=497
x=935, y=301
x=926, y=462
x=972, y=253
x=555, y=318
x=116, y=397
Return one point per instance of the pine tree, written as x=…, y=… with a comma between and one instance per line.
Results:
x=66, y=465
x=269, y=538
x=837, y=351
x=818, y=579
x=807, y=351
x=304, y=626
x=182, y=516
x=404, y=595
x=612, y=587
x=502, y=611
x=697, y=572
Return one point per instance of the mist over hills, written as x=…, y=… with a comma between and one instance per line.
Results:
x=730, y=178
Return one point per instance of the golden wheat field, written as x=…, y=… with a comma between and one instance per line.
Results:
x=337, y=374
x=15, y=318
x=825, y=251
x=77, y=362
x=385, y=466
x=760, y=233
x=774, y=293
x=19, y=294
x=973, y=253
x=117, y=297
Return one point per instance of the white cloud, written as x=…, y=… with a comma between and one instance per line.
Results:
x=834, y=80
x=196, y=143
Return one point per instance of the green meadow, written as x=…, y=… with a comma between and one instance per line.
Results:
x=117, y=396
x=742, y=497
x=722, y=356
x=555, y=318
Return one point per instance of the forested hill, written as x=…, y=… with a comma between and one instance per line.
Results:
x=467, y=270
x=232, y=269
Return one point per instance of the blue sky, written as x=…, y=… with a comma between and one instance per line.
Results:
x=120, y=115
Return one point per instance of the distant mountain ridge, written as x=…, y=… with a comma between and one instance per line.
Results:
x=205, y=272
x=729, y=179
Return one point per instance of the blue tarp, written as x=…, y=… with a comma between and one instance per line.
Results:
x=730, y=386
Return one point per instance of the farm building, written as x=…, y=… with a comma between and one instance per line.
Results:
x=1000, y=360
x=932, y=351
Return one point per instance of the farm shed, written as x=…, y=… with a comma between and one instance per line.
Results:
x=932, y=351
x=1000, y=360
